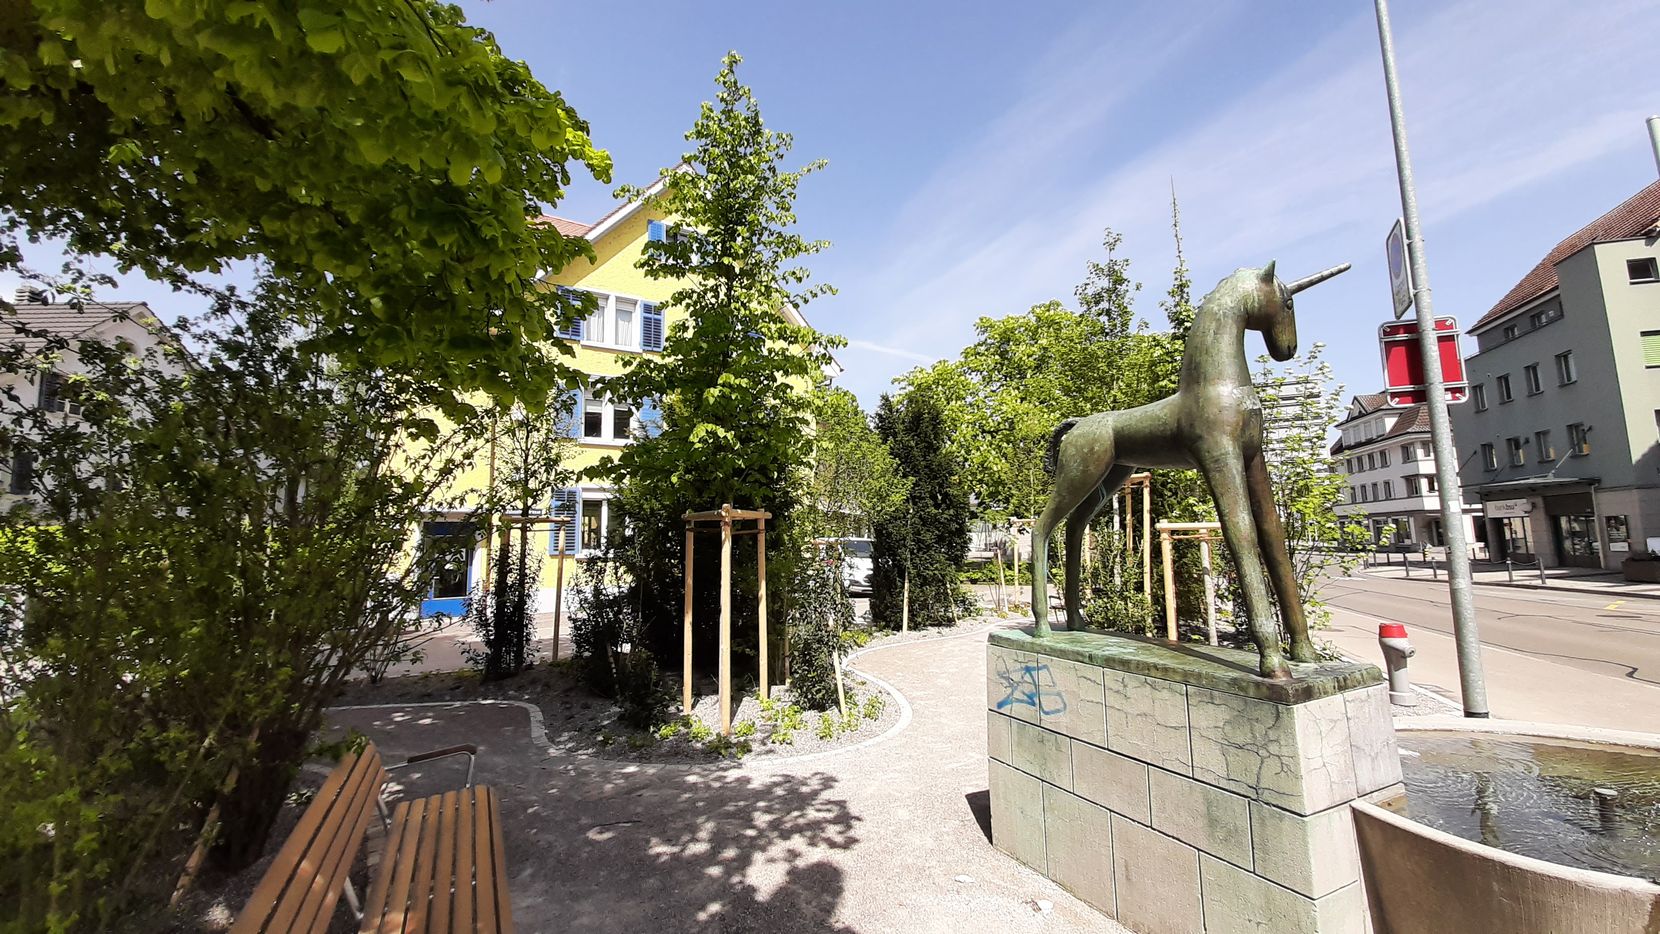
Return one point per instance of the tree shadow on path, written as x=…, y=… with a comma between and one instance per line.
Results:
x=597, y=846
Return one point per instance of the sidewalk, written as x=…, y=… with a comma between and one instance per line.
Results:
x=1519, y=687
x=1609, y=583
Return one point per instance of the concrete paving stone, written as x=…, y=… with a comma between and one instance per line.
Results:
x=1115, y=782
x=1043, y=753
x=1013, y=683
x=1377, y=758
x=1314, y=855
x=1297, y=758
x=1017, y=814
x=1078, y=844
x=1075, y=706
x=999, y=737
x=1201, y=815
x=1156, y=879
x=1147, y=719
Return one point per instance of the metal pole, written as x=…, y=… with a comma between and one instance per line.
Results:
x=1654, y=138
x=1471, y=680
x=1509, y=571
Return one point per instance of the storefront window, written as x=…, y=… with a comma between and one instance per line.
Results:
x=1619, y=533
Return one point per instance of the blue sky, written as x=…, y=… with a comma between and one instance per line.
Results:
x=977, y=149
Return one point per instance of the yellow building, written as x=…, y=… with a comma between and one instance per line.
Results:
x=628, y=321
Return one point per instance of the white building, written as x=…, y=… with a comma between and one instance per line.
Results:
x=1386, y=453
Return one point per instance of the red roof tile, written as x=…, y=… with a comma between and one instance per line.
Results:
x=1636, y=216
x=566, y=226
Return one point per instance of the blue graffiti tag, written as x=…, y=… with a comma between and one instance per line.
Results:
x=1027, y=689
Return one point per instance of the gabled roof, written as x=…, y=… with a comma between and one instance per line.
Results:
x=1412, y=420
x=1635, y=217
x=1365, y=404
x=65, y=318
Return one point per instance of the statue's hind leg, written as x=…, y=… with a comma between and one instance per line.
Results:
x=1077, y=524
x=1281, y=573
x=1074, y=482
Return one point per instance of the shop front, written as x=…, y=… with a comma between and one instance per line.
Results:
x=1573, y=525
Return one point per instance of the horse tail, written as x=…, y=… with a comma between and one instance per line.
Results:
x=1052, y=457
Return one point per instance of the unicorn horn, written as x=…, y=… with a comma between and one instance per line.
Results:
x=1315, y=279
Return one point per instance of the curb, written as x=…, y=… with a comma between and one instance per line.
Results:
x=1558, y=588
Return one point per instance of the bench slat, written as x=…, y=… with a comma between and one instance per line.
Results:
x=375, y=905
x=464, y=864
x=504, y=901
x=445, y=864
x=402, y=869
x=485, y=894
x=334, y=863
x=421, y=886
x=331, y=804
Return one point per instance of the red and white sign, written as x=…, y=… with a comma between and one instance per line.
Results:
x=1403, y=363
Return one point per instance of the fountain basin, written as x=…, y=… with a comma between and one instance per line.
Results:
x=1529, y=790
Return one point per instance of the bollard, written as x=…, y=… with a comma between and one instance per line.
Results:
x=1509, y=571
x=1434, y=570
x=1396, y=650
x=1540, y=564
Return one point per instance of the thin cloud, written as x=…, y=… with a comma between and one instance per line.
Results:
x=900, y=352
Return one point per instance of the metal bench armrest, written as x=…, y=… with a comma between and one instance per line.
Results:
x=465, y=749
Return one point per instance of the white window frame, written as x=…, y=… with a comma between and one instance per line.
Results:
x=606, y=310
x=606, y=408
x=590, y=495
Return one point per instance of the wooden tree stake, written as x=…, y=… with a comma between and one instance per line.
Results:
x=726, y=624
x=686, y=666
x=761, y=595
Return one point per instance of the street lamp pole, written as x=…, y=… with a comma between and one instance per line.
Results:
x=1471, y=680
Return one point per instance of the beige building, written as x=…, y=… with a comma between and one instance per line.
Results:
x=1391, y=485
x=1561, y=436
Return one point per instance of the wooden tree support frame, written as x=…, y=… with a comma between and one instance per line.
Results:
x=726, y=517
x=1204, y=533
x=1143, y=481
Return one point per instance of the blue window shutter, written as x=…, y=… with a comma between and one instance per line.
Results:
x=651, y=327
x=566, y=504
x=576, y=412
x=655, y=232
x=651, y=417
x=572, y=331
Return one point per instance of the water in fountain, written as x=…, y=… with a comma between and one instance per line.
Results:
x=1539, y=797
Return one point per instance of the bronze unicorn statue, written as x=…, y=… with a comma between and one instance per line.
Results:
x=1213, y=423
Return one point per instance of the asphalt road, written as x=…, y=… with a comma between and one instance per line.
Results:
x=1594, y=632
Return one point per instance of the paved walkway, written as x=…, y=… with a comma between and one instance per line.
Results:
x=887, y=837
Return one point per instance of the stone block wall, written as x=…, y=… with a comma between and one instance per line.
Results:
x=1181, y=807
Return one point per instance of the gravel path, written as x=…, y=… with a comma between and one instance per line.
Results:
x=890, y=835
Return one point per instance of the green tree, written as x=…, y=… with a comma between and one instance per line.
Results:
x=210, y=546
x=734, y=379
x=854, y=482
x=921, y=547
x=529, y=447
x=386, y=160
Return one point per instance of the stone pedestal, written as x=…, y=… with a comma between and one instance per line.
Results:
x=1176, y=790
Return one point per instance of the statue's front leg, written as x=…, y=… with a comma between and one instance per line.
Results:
x=1224, y=471
x=1281, y=572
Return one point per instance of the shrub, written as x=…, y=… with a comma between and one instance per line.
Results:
x=821, y=614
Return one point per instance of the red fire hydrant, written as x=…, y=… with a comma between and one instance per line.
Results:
x=1396, y=650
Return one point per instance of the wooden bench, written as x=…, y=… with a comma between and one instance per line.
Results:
x=443, y=868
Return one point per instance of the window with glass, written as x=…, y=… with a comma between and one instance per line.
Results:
x=1503, y=382
x=1489, y=457
x=593, y=524
x=1518, y=539
x=1478, y=395
x=1579, y=439
x=1513, y=451
x=1388, y=490
x=1530, y=373
x=1412, y=487
x=1565, y=372
x=1374, y=489
x=1645, y=269
x=605, y=420
x=1383, y=458
x=1509, y=332
x=1408, y=453
x=1546, y=450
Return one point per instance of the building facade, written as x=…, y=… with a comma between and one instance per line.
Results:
x=1392, y=488
x=1561, y=437
x=629, y=321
